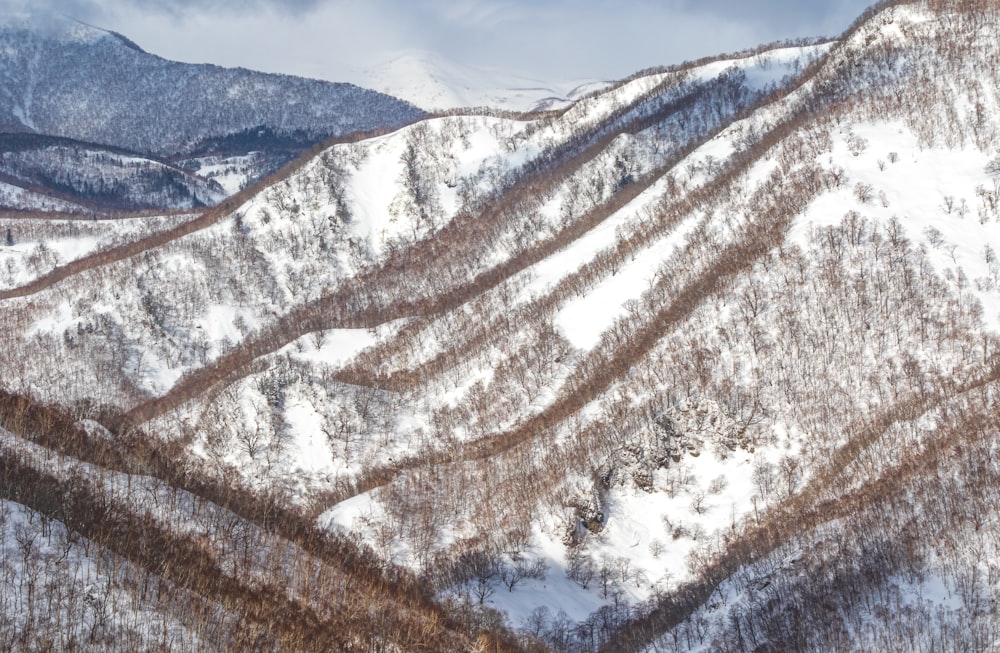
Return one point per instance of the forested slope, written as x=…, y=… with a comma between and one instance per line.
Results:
x=705, y=361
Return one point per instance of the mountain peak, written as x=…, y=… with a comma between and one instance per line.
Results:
x=434, y=82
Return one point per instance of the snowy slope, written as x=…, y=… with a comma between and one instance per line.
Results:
x=707, y=361
x=32, y=244
x=357, y=208
x=17, y=197
x=99, y=178
x=930, y=198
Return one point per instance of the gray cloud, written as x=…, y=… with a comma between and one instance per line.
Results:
x=544, y=38
x=613, y=38
x=83, y=9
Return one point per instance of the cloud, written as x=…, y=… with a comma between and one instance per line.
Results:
x=609, y=38
x=555, y=39
x=596, y=38
x=476, y=15
x=86, y=9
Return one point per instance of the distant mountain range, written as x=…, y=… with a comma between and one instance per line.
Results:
x=435, y=83
x=59, y=77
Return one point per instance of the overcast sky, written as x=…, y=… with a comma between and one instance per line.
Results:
x=547, y=39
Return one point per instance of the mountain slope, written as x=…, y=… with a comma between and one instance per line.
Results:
x=100, y=178
x=63, y=78
x=95, y=125
x=705, y=361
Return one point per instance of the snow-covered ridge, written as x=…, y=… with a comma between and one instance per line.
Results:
x=574, y=369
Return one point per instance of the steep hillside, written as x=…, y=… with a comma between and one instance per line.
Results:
x=705, y=361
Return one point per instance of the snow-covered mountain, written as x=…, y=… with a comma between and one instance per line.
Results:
x=63, y=78
x=705, y=361
x=142, y=132
x=435, y=83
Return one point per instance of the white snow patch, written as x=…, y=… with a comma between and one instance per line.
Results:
x=933, y=192
x=337, y=346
